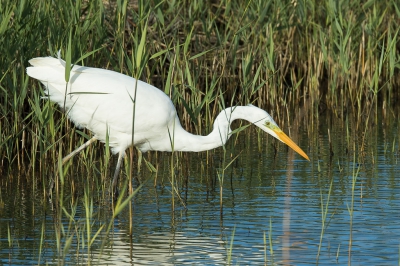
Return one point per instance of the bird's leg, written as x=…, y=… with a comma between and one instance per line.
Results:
x=140, y=156
x=72, y=154
x=116, y=174
x=69, y=156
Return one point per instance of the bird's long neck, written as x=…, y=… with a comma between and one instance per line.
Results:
x=185, y=141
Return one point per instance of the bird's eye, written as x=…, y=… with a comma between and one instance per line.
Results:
x=267, y=123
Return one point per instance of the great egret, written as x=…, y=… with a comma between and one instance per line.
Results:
x=103, y=102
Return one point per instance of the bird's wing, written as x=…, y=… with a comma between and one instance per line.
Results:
x=102, y=100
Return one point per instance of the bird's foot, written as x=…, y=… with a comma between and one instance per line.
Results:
x=115, y=194
x=51, y=188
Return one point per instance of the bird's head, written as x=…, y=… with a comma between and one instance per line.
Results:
x=264, y=121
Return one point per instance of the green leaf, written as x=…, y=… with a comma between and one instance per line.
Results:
x=200, y=54
x=159, y=53
x=140, y=50
x=68, y=59
x=88, y=54
x=187, y=41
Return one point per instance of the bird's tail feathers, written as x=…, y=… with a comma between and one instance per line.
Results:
x=44, y=61
x=46, y=69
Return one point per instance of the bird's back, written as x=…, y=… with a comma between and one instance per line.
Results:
x=102, y=101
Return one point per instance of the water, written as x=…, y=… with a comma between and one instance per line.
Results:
x=272, y=209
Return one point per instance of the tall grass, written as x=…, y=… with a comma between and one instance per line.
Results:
x=298, y=57
x=339, y=54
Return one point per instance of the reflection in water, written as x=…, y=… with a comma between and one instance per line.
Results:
x=273, y=206
x=156, y=248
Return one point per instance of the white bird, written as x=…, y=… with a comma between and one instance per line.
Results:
x=103, y=101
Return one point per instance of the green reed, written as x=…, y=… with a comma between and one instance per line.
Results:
x=324, y=214
x=285, y=56
x=271, y=247
x=286, y=53
x=230, y=248
x=350, y=207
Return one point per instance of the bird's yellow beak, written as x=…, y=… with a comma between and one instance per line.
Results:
x=284, y=138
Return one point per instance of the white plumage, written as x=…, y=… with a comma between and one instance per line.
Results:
x=102, y=101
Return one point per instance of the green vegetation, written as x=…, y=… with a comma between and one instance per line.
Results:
x=275, y=54
x=289, y=57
